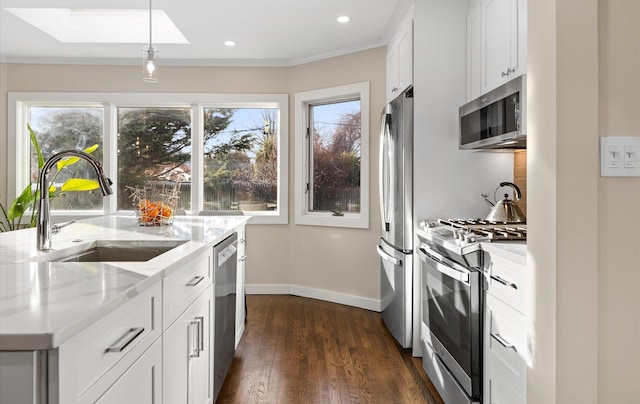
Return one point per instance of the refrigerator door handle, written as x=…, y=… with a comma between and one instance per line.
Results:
x=384, y=176
x=388, y=257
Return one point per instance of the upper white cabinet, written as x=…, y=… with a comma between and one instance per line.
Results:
x=496, y=44
x=473, y=51
x=400, y=58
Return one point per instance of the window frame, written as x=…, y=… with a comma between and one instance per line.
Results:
x=19, y=145
x=303, y=216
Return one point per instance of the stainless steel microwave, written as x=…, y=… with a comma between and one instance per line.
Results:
x=496, y=120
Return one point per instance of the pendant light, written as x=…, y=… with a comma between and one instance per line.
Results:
x=150, y=56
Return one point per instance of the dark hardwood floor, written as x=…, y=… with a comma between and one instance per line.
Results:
x=299, y=350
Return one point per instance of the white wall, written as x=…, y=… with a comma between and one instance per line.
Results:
x=3, y=132
x=339, y=264
x=448, y=181
x=584, y=242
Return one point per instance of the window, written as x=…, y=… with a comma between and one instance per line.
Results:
x=64, y=127
x=332, y=156
x=222, y=151
x=154, y=150
x=241, y=159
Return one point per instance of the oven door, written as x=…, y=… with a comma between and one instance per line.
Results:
x=451, y=302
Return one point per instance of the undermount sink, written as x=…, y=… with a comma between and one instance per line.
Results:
x=122, y=250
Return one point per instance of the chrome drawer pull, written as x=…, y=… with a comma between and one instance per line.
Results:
x=503, y=342
x=504, y=282
x=243, y=258
x=123, y=341
x=196, y=280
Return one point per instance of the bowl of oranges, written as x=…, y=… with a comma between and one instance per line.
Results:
x=154, y=206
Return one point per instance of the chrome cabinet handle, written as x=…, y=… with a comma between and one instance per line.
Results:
x=196, y=280
x=243, y=258
x=503, y=342
x=125, y=340
x=194, y=352
x=200, y=320
x=504, y=282
x=242, y=241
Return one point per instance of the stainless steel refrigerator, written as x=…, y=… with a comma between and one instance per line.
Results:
x=396, y=208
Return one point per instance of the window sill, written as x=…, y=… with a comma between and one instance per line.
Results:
x=349, y=220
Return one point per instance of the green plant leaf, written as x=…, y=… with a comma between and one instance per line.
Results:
x=36, y=145
x=79, y=184
x=72, y=160
x=22, y=203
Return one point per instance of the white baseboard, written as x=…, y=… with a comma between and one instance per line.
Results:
x=326, y=295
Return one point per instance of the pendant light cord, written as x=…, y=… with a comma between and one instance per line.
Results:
x=150, y=26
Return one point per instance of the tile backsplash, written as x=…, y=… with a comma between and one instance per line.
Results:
x=520, y=176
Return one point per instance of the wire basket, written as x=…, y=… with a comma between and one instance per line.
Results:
x=155, y=205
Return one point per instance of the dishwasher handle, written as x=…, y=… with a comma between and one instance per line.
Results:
x=227, y=253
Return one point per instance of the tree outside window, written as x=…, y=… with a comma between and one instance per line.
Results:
x=59, y=128
x=154, y=149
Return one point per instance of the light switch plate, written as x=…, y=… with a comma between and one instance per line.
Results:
x=620, y=156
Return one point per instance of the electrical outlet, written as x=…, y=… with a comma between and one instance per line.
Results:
x=620, y=156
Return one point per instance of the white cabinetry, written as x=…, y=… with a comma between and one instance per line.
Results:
x=400, y=58
x=187, y=340
x=90, y=363
x=496, y=44
x=505, y=332
x=187, y=353
x=473, y=51
x=140, y=384
x=240, y=294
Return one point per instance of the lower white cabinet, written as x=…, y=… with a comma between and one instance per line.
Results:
x=505, y=333
x=187, y=351
x=140, y=384
x=89, y=364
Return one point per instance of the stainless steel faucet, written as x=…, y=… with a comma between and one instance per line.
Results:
x=44, y=220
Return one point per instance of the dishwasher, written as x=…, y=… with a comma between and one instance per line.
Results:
x=225, y=263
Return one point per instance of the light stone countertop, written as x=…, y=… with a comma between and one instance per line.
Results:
x=515, y=251
x=44, y=303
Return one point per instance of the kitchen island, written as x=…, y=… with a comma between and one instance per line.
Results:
x=55, y=315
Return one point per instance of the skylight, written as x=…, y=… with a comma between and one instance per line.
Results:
x=101, y=25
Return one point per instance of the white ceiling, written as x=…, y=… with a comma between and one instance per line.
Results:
x=267, y=32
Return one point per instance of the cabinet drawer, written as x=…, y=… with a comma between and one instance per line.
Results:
x=496, y=391
x=506, y=280
x=183, y=286
x=505, y=343
x=92, y=360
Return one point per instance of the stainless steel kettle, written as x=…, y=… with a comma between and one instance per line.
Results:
x=506, y=210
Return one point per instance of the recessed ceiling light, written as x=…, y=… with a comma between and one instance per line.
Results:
x=230, y=43
x=101, y=26
x=343, y=18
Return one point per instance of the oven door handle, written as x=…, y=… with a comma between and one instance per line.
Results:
x=442, y=268
x=388, y=257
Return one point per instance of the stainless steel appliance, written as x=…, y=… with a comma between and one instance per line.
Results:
x=452, y=302
x=225, y=266
x=396, y=207
x=496, y=120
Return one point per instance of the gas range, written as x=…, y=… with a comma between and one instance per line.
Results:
x=459, y=239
